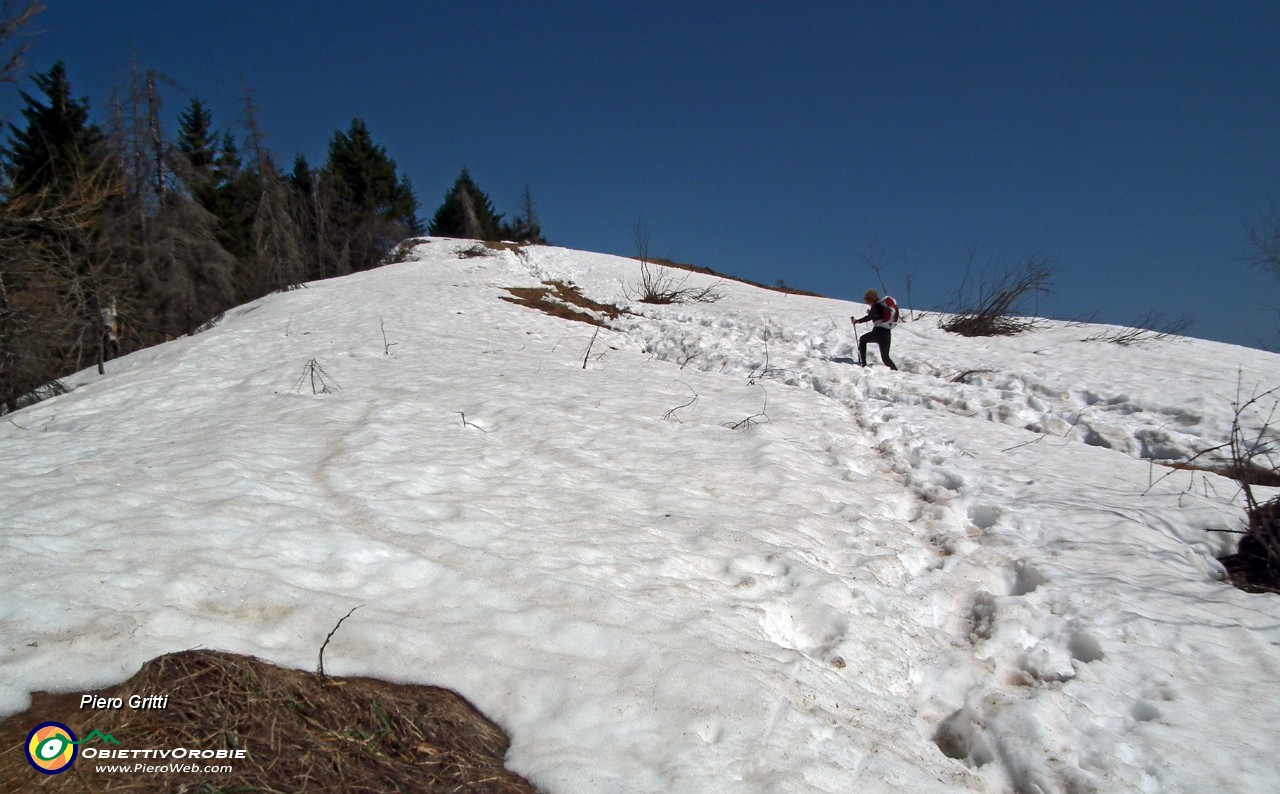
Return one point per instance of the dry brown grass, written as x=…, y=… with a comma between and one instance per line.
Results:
x=301, y=732
x=483, y=247
x=1246, y=475
x=560, y=299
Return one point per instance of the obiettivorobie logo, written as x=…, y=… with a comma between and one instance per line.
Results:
x=52, y=747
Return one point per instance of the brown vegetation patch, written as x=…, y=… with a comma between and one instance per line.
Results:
x=483, y=247
x=564, y=300
x=515, y=248
x=299, y=731
x=1246, y=475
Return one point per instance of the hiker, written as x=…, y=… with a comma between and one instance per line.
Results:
x=884, y=316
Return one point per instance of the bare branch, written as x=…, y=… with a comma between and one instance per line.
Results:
x=320, y=664
x=14, y=16
x=590, y=345
x=1151, y=327
x=754, y=419
x=672, y=413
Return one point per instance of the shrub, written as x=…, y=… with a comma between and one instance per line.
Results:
x=663, y=285
x=1254, y=450
x=992, y=310
x=1151, y=327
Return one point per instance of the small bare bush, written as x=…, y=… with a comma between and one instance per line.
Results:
x=992, y=308
x=1152, y=327
x=321, y=382
x=401, y=252
x=1253, y=459
x=664, y=285
x=474, y=252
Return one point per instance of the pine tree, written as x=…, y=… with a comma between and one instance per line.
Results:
x=197, y=141
x=212, y=174
x=361, y=208
x=466, y=213
x=365, y=177
x=58, y=145
x=190, y=271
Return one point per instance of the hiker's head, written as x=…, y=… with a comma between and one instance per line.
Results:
x=871, y=297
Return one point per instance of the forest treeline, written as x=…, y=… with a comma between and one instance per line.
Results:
x=115, y=236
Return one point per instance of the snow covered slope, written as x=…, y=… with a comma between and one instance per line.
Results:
x=719, y=557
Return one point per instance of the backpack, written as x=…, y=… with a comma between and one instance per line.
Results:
x=891, y=312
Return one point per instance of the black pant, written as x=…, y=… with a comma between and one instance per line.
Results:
x=881, y=337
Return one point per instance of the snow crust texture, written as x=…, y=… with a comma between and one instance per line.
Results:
x=702, y=551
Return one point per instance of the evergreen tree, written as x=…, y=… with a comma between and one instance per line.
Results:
x=190, y=272
x=365, y=178
x=58, y=145
x=212, y=173
x=212, y=158
x=196, y=139
x=466, y=213
x=302, y=177
x=361, y=209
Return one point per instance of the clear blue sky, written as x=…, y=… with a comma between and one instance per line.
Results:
x=1130, y=141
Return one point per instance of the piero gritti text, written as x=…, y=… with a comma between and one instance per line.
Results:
x=136, y=702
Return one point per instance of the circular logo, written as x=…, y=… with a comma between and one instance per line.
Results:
x=51, y=748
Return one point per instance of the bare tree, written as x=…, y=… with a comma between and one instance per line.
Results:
x=14, y=16
x=277, y=236
x=183, y=276
x=527, y=228
x=192, y=271
x=1264, y=239
x=327, y=242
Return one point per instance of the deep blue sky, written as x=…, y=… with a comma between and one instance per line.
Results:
x=1130, y=141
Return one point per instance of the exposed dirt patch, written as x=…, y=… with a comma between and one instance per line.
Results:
x=562, y=299
x=297, y=731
